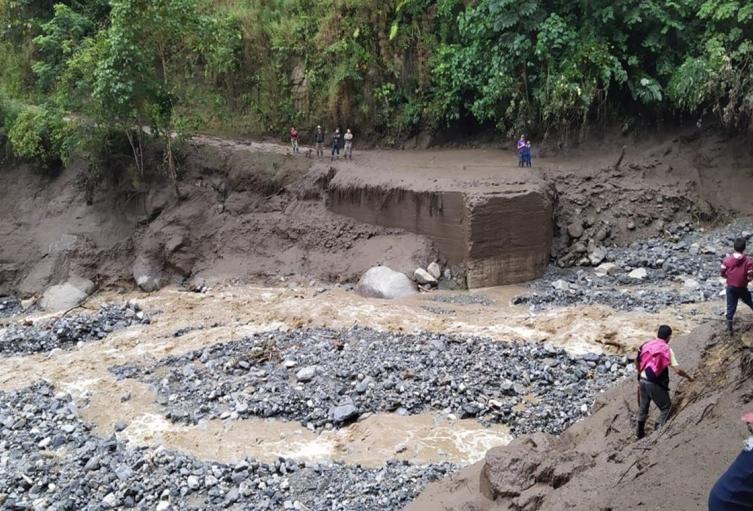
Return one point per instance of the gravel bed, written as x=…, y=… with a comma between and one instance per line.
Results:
x=439, y=311
x=10, y=306
x=680, y=270
x=49, y=459
x=325, y=378
x=464, y=299
x=65, y=332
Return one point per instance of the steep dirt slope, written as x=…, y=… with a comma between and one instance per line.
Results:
x=242, y=214
x=598, y=465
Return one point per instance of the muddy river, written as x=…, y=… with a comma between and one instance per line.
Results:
x=221, y=315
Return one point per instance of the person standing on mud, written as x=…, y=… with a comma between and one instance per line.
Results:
x=335, y=143
x=527, y=154
x=655, y=357
x=737, y=268
x=319, y=139
x=733, y=491
x=348, y=152
x=294, y=139
x=521, y=148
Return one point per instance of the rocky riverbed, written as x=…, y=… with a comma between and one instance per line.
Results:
x=325, y=378
x=49, y=459
x=68, y=331
x=647, y=275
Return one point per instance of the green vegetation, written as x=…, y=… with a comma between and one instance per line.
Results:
x=161, y=69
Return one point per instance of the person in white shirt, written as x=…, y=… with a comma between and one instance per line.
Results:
x=348, y=144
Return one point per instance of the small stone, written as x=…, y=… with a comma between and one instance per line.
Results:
x=306, y=374
x=561, y=285
x=193, y=482
x=605, y=269
x=631, y=225
x=638, y=274
x=344, y=412
x=120, y=426
x=110, y=501
x=689, y=283
x=575, y=230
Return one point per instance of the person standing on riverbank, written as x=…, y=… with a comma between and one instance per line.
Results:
x=348, y=152
x=319, y=140
x=335, y=143
x=527, y=154
x=655, y=357
x=737, y=269
x=294, y=139
x=521, y=149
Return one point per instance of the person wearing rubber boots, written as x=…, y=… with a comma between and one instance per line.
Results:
x=655, y=358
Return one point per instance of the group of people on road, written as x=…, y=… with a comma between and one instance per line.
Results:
x=336, y=140
x=734, y=489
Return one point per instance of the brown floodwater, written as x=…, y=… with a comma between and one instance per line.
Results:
x=241, y=311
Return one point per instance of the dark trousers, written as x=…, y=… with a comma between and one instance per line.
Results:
x=734, y=295
x=733, y=491
x=660, y=396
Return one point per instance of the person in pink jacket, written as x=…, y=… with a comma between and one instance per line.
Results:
x=737, y=268
x=655, y=358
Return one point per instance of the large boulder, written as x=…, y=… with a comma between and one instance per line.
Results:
x=383, y=282
x=147, y=273
x=66, y=295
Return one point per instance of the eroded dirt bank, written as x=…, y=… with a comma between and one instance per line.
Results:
x=598, y=464
x=251, y=211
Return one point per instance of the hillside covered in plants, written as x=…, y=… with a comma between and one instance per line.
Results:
x=86, y=76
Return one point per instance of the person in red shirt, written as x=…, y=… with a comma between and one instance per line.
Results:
x=737, y=268
x=294, y=139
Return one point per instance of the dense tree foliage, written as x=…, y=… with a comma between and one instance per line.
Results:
x=161, y=68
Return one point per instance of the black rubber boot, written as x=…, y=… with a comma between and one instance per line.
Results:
x=641, y=430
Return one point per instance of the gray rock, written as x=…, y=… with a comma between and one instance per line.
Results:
x=434, y=270
x=66, y=295
x=690, y=283
x=306, y=374
x=147, y=274
x=110, y=501
x=561, y=285
x=597, y=255
x=424, y=277
x=575, y=230
x=383, y=282
x=193, y=482
x=605, y=269
x=344, y=412
x=638, y=274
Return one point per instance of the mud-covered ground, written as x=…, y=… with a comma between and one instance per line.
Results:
x=299, y=394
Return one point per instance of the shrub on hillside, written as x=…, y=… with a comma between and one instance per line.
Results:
x=41, y=136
